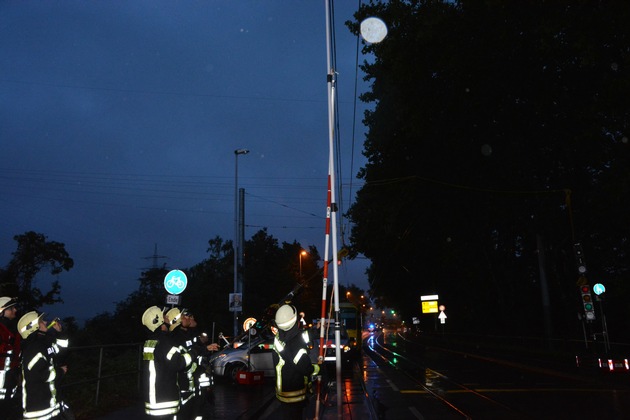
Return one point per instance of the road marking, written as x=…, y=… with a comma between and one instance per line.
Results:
x=497, y=390
x=394, y=387
x=416, y=413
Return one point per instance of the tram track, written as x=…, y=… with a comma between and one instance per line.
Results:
x=460, y=399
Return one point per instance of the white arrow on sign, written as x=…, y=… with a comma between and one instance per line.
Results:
x=442, y=317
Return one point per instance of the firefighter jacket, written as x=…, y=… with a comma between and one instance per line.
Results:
x=163, y=359
x=39, y=394
x=293, y=365
x=186, y=380
x=9, y=358
x=202, y=375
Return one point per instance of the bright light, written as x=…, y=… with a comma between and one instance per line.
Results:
x=373, y=30
x=249, y=322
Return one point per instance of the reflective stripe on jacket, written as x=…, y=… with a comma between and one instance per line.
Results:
x=9, y=360
x=293, y=368
x=163, y=359
x=39, y=395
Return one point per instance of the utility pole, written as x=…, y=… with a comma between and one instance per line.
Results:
x=155, y=258
x=235, y=243
x=241, y=240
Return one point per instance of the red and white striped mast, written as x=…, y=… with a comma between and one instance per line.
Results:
x=331, y=226
x=373, y=30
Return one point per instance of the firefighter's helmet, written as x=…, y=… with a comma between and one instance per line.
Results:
x=152, y=318
x=286, y=316
x=29, y=323
x=6, y=302
x=174, y=316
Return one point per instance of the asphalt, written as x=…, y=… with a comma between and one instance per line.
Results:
x=260, y=401
x=355, y=399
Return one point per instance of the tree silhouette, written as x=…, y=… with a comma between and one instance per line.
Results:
x=494, y=123
x=34, y=253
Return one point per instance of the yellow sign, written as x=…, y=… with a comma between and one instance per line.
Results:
x=430, y=307
x=342, y=253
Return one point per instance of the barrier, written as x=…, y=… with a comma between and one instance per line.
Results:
x=81, y=361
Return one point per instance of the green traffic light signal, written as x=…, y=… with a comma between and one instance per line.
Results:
x=587, y=301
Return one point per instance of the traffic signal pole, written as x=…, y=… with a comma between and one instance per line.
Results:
x=604, y=325
x=544, y=289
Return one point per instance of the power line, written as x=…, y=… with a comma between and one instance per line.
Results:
x=155, y=258
x=160, y=92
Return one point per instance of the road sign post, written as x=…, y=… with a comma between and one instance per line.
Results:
x=175, y=282
x=442, y=317
x=172, y=300
x=429, y=304
x=599, y=290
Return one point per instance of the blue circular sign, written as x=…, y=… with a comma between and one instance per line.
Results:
x=598, y=288
x=175, y=282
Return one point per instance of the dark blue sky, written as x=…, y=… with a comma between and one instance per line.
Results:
x=119, y=121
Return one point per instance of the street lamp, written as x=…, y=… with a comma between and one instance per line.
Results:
x=235, y=244
x=302, y=253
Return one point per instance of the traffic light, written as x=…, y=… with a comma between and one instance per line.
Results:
x=579, y=258
x=587, y=302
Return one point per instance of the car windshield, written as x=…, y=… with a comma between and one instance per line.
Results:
x=265, y=336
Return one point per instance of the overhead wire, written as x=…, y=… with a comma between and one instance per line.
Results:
x=354, y=119
x=159, y=92
x=337, y=133
x=344, y=226
x=337, y=138
x=80, y=187
x=149, y=186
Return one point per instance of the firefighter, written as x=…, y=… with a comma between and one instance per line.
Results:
x=9, y=358
x=293, y=364
x=197, y=378
x=163, y=360
x=204, y=380
x=40, y=354
x=173, y=319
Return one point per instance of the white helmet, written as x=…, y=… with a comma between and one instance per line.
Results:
x=152, y=318
x=6, y=302
x=286, y=316
x=29, y=323
x=174, y=316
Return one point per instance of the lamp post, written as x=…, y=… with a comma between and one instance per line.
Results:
x=235, y=244
x=302, y=253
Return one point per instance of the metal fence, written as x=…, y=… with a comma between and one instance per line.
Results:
x=121, y=358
